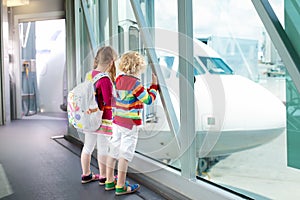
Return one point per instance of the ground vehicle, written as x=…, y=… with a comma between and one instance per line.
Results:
x=277, y=71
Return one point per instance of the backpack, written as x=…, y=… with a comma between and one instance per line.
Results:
x=83, y=111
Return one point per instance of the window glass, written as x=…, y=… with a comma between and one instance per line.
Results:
x=121, y=39
x=198, y=68
x=240, y=114
x=216, y=65
x=247, y=152
x=134, y=38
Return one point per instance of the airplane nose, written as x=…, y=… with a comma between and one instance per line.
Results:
x=244, y=116
x=252, y=106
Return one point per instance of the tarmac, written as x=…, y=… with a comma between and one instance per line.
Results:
x=262, y=171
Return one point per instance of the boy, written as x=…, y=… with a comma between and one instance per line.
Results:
x=130, y=99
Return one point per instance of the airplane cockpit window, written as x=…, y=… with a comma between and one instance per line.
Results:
x=197, y=68
x=168, y=60
x=171, y=64
x=216, y=65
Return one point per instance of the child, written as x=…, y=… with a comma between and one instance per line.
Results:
x=103, y=63
x=130, y=97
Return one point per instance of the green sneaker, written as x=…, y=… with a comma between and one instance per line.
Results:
x=123, y=190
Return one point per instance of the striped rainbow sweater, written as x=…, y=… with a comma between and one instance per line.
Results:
x=131, y=96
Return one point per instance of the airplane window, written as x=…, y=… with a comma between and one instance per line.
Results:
x=197, y=68
x=216, y=65
x=169, y=60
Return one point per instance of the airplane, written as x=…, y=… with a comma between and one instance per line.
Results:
x=233, y=113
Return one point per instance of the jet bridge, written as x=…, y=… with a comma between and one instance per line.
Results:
x=91, y=24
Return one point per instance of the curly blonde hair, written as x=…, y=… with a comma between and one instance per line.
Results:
x=132, y=63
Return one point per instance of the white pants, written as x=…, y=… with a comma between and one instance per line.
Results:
x=123, y=142
x=90, y=140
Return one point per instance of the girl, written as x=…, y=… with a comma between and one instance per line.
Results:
x=104, y=63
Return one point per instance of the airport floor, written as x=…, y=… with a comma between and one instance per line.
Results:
x=34, y=166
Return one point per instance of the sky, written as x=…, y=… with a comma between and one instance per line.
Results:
x=237, y=18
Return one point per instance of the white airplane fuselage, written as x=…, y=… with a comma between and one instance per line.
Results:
x=232, y=113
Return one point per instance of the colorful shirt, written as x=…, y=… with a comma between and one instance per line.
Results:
x=131, y=96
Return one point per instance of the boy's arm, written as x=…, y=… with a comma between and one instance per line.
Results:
x=146, y=96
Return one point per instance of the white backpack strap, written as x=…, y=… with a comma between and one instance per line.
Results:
x=98, y=76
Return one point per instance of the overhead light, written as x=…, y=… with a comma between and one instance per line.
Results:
x=11, y=3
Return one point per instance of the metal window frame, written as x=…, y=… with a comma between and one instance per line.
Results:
x=186, y=89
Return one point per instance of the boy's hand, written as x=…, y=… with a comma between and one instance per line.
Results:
x=154, y=79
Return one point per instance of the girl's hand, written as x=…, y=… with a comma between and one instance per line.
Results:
x=90, y=111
